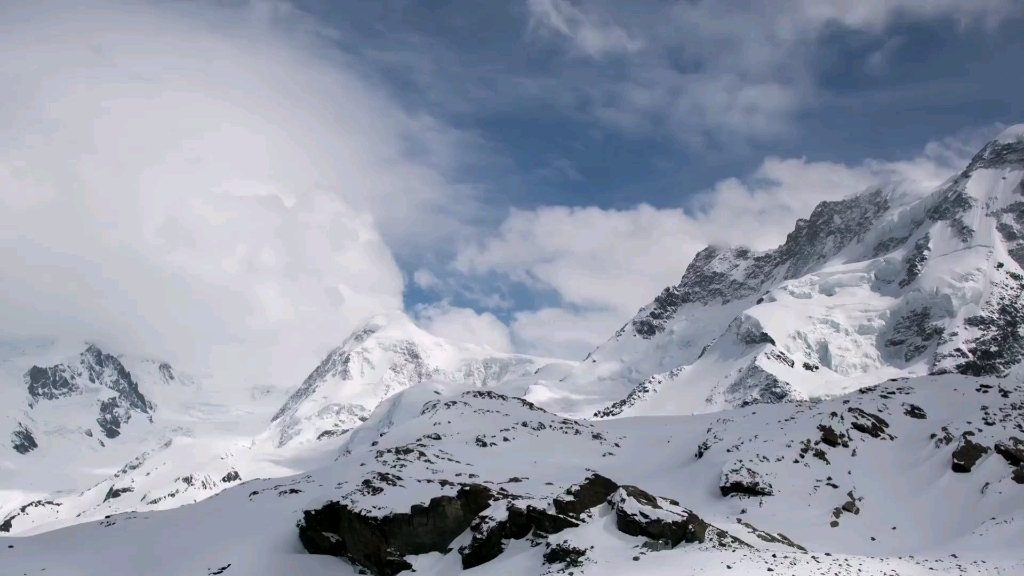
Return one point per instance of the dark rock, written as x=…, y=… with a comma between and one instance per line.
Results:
x=380, y=544
x=914, y=411
x=867, y=423
x=638, y=513
x=740, y=479
x=51, y=383
x=851, y=507
x=117, y=492
x=331, y=433
x=22, y=439
x=565, y=553
x=232, y=476
x=834, y=523
x=914, y=333
x=1018, y=475
x=544, y=522
x=581, y=497
x=1012, y=450
x=487, y=543
x=967, y=454
x=830, y=437
x=112, y=415
x=915, y=260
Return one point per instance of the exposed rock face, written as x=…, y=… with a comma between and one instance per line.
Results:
x=51, y=383
x=967, y=454
x=588, y=494
x=755, y=385
x=1018, y=475
x=868, y=423
x=380, y=544
x=96, y=368
x=914, y=333
x=741, y=479
x=914, y=411
x=565, y=553
x=638, y=513
x=22, y=440
x=830, y=437
x=1012, y=450
x=724, y=275
x=999, y=344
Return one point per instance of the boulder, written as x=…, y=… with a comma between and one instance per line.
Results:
x=1018, y=475
x=967, y=454
x=490, y=534
x=1012, y=450
x=380, y=543
x=581, y=497
x=868, y=423
x=506, y=521
x=739, y=478
x=830, y=437
x=638, y=513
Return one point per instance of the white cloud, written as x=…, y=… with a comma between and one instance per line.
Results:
x=727, y=71
x=877, y=63
x=204, y=183
x=590, y=33
x=606, y=264
x=464, y=325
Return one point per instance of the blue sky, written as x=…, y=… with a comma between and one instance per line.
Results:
x=615, y=104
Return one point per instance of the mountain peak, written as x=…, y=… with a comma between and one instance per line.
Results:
x=384, y=355
x=1012, y=135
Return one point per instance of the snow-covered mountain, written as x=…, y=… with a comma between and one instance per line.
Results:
x=875, y=286
x=165, y=465
x=849, y=403
x=386, y=355
x=914, y=477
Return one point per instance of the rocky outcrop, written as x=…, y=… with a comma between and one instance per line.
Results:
x=1012, y=450
x=638, y=513
x=739, y=478
x=96, y=368
x=967, y=454
x=869, y=423
x=581, y=497
x=380, y=544
x=22, y=439
x=508, y=521
x=723, y=275
x=830, y=437
x=51, y=383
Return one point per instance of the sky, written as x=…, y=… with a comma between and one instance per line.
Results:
x=233, y=185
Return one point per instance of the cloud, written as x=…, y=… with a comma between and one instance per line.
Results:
x=723, y=72
x=593, y=34
x=877, y=63
x=205, y=183
x=605, y=264
x=464, y=325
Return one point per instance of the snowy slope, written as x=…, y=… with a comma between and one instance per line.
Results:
x=438, y=478
x=386, y=355
x=202, y=447
x=876, y=286
x=76, y=414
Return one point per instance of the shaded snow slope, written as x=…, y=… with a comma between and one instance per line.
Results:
x=861, y=484
x=386, y=355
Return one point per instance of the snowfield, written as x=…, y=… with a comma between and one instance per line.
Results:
x=887, y=483
x=850, y=403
